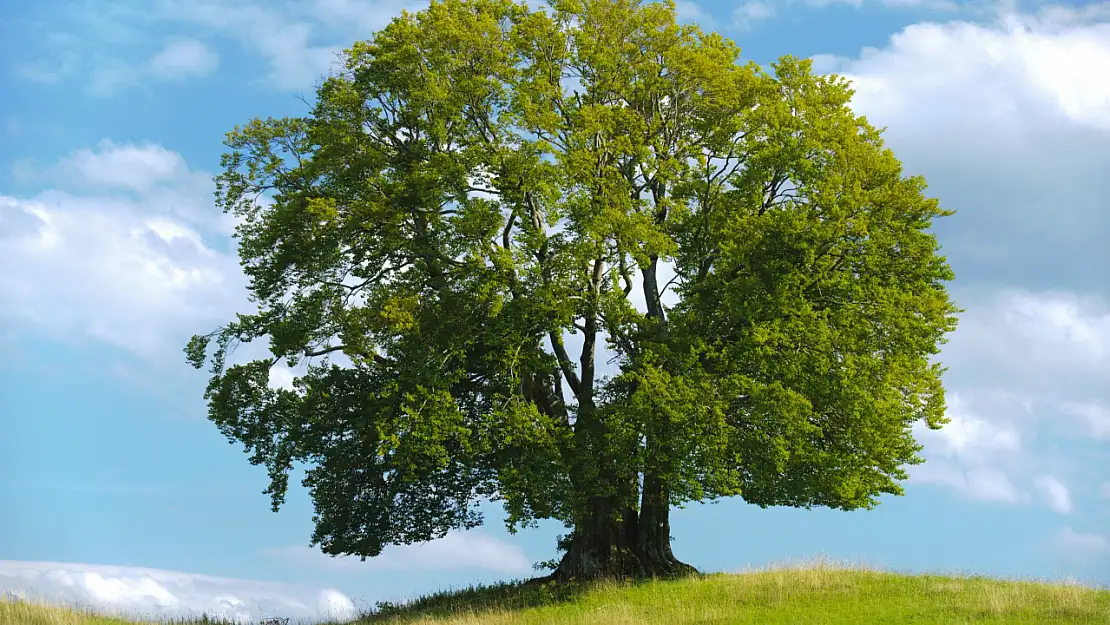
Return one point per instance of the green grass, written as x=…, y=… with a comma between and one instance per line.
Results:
x=810, y=594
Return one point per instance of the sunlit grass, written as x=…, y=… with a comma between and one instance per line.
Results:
x=818, y=592
x=40, y=613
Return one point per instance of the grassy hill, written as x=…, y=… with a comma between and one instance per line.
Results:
x=806, y=595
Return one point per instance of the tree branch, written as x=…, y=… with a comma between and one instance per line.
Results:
x=589, y=342
x=323, y=351
x=564, y=363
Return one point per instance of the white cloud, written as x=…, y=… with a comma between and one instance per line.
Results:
x=334, y=605
x=1080, y=543
x=1080, y=326
x=290, y=43
x=143, y=592
x=177, y=60
x=112, y=166
x=297, y=40
x=1016, y=362
x=129, y=264
x=974, y=451
x=1095, y=415
x=106, y=54
x=1075, y=14
x=749, y=13
x=978, y=484
x=454, y=551
x=282, y=377
x=970, y=437
x=996, y=116
x=359, y=17
x=1007, y=124
x=183, y=58
x=1051, y=346
x=1055, y=493
x=989, y=484
x=687, y=11
x=1013, y=70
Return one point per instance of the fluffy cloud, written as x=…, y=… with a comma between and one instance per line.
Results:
x=977, y=483
x=976, y=452
x=453, y=551
x=967, y=452
x=129, y=167
x=125, y=257
x=692, y=12
x=1050, y=347
x=282, y=377
x=1055, y=493
x=1008, y=126
x=143, y=592
x=1018, y=365
x=105, y=51
x=1095, y=415
x=298, y=41
x=747, y=14
x=287, y=41
x=177, y=60
x=182, y=58
x=1082, y=543
x=970, y=437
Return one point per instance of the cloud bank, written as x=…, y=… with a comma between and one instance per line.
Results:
x=157, y=593
x=1008, y=124
x=454, y=551
x=120, y=249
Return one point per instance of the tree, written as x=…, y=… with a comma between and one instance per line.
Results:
x=470, y=229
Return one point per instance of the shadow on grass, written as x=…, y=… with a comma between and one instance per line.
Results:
x=503, y=597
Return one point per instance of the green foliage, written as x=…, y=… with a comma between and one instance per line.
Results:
x=448, y=213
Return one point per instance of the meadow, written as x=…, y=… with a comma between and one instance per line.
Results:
x=818, y=592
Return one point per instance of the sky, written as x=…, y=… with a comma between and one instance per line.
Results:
x=118, y=494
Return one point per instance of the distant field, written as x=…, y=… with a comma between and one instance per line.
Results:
x=806, y=595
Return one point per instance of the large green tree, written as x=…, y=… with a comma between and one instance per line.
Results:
x=492, y=199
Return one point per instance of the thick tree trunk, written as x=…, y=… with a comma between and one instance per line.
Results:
x=654, y=531
x=599, y=547
x=634, y=544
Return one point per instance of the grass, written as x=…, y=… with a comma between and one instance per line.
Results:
x=818, y=592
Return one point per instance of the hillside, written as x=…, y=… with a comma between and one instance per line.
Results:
x=803, y=595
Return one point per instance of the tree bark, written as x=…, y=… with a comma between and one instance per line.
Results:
x=634, y=544
x=653, y=541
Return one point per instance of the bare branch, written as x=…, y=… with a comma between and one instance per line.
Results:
x=507, y=232
x=483, y=190
x=322, y=351
x=667, y=285
x=564, y=363
x=625, y=274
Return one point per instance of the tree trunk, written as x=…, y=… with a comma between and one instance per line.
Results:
x=599, y=547
x=634, y=544
x=653, y=540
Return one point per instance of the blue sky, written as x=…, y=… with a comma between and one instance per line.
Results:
x=118, y=492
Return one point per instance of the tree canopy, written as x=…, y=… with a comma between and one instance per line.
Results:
x=581, y=261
